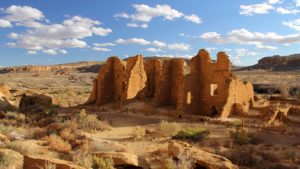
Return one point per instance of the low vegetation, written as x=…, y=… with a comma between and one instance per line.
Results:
x=195, y=134
x=241, y=136
x=102, y=163
x=169, y=129
x=138, y=132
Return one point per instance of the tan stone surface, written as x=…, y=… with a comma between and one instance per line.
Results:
x=31, y=162
x=201, y=158
x=119, y=158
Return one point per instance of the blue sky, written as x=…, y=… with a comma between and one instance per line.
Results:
x=56, y=31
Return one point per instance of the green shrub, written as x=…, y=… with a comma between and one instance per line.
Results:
x=241, y=136
x=197, y=134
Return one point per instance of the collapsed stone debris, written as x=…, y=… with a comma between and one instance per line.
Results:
x=202, y=86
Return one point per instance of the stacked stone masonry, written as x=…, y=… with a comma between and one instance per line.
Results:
x=203, y=87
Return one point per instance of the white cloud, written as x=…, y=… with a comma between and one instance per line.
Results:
x=287, y=11
x=62, y=51
x=175, y=56
x=243, y=36
x=295, y=24
x=49, y=38
x=259, y=46
x=144, y=14
x=179, y=46
x=262, y=8
x=138, y=41
x=193, y=18
x=5, y=23
x=275, y=1
x=104, y=44
x=135, y=25
x=101, y=49
x=101, y=31
x=22, y=13
x=162, y=45
x=122, y=15
x=32, y=52
x=297, y=2
x=159, y=43
x=153, y=50
x=50, y=52
x=210, y=49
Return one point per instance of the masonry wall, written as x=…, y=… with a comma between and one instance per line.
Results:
x=153, y=69
x=119, y=81
x=170, y=88
x=208, y=88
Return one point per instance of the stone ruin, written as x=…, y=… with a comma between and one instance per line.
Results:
x=201, y=87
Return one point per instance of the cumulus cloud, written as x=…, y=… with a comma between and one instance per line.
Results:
x=243, y=36
x=275, y=1
x=138, y=41
x=294, y=24
x=193, y=18
x=287, y=11
x=179, y=46
x=154, y=50
x=5, y=23
x=260, y=46
x=297, y=2
x=104, y=44
x=159, y=43
x=45, y=37
x=156, y=43
x=135, y=25
x=144, y=14
x=101, y=49
x=262, y=8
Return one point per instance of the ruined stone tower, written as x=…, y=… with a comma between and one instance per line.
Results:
x=119, y=80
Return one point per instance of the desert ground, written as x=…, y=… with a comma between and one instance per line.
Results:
x=137, y=135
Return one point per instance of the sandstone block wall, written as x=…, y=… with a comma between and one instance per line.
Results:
x=208, y=88
x=119, y=81
x=153, y=68
x=170, y=88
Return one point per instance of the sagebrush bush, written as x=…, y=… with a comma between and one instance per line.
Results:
x=91, y=122
x=169, y=128
x=58, y=144
x=241, y=136
x=196, y=134
x=103, y=163
x=138, y=132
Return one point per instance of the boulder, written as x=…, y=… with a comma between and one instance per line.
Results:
x=11, y=159
x=202, y=158
x=35, y=103
x=6, y=98
x=31, y=162
x=119, y=158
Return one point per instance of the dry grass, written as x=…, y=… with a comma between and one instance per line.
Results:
x=103, y=163
x=169, y=129
x=138, y=132
x=58, y=144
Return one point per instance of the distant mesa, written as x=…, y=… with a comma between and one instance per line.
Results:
x=277, y=63
x=199, y=86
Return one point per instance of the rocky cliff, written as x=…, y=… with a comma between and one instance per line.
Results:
x=276, y=62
